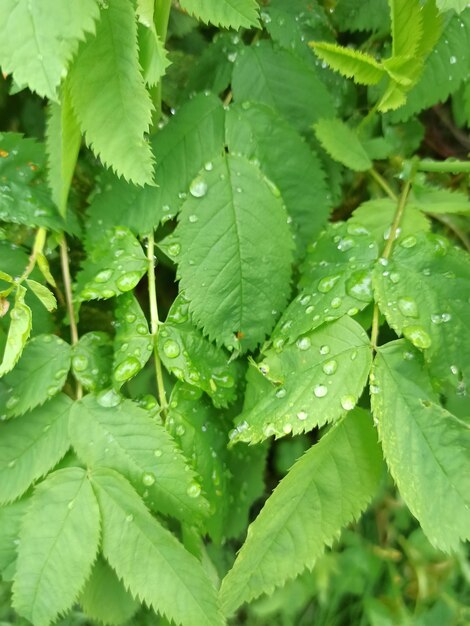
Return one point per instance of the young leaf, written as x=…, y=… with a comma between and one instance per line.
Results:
x=36, y=48
x=230, y=273
x=421, y=437
x=153, y=565
x=109, y=97
x=43, y=294
x=92, y=360
x=283, y=81
x=125, y=438
x=18, y=332
x=104, y=598
x=188, y=355
x=342, y=144
x=258, y=132
x=11, y=517
x=114, y=265
x=314, y=381
x=63, y=519
x=362, y=67
x=224, y=13
x=336, y=279
x=31, y=445
x=326, y=489
x=133, y=343
x=407, y=26
x=152, y=55
x=40, y=374
x=424, y=293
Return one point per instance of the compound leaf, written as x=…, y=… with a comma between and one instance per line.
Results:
x=224, y=13
x=92, y=360
x=362, y=67
x=407, y=26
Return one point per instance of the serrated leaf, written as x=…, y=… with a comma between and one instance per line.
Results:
x=115, y=263
x=37, y=49
x=362, y=15
x=417, y=434
x=11, y=517
x=393, y=98
x=112, y=105
x=63, y=519
x=40, y=374
x=125, y=438
x=342, y=144
x=92, y=360
x=230, y=272
x=258, y=132
x=283, y=81
x=31, y=445
x=362, y=67
x=104, y=598
x=314, y=381
x=18, y=332
x=152, y=55
x=224, y=13
x=191, y=357
x=424, y=293
x=181, y=154
x=407, y=26
x=336, y=279
x=448, y=5
x=133, y=343
x=435, y=200
x=149, y=560
x=327, y=488
x=43, y=294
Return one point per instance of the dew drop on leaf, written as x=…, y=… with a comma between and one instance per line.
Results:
x=408, y=307
x=324, y=349
x=327, y=283
x=194, y=490
x=103, y=276
x=336, y=303
x=148, y=479
x=281, y=393
x=418, y=336
x=304, y=343
x=302, y=415
x=359, y=286
x=109, y=398
x=126, y=369
x=408, y=242
x=171, y=349
x=80, y=363
x=348, y=402
x=174, y=249
x=320, y=391
x=330, y=367
x=198, y=187
x=128, y=281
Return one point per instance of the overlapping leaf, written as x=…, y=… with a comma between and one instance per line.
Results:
x=18, y=332
x=334, y=135
x=92, y=360
x=11, y=517
x=362, y=67
x=224, y=13
x=362, y=15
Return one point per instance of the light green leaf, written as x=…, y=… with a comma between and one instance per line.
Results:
x=313, y=382
x=188, y=355
x=38, y=49
x=40, y=374
x=125, y=438
x=424, y=293
x=448, y=5
x=231, y=274
x=152, y=55
x=92, y=360
x=342, y=144
x=149, y=560
x=63, y=519
x=31, y=445
x=112, y=105
x=133, y=343
x=420, y=436
x=393, y=98
x=104, y=598
x=362, y=67
x=336, y=279
x=115, y=264
x=326, y=489
x=18, y=332
x=11, y=517
x=283, y=81
x=44, y=294
x=258, y=132
x=404, y=70
x=224, y=13
x=435, y=200
x=407, y=26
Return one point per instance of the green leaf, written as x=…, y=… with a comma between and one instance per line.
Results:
x=63, y=519
x=115, y=264
x=362, y=67
x=149, y=560
x=258, y=132
x=133, y=344
x=313, y=382
x=112, y=105
x=326, y=489
x=435, y=200
x=224, y=13
x=152, y=55
x=63, y=139
x=361, y=15
x=125, y=438
x=455, y=5
x=417, y=433
x=31, y=445
x=407, y=26
x=92, y=360
x=336, y=279
x=283, y=81
x=11, y=517
x=188, y=355
x=230, y=272
x=38, y=49
x=43, y=294
x=424, y=293
x=342, y=144
x=40, y=374
x=104, y=598
x=18, y=332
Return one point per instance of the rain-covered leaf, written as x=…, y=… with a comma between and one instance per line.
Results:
x=342, y=144
x=92, y=360
x=18, y=332
x=224, y=13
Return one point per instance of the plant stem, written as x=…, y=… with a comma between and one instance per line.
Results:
x=65, y=264
x=155, y=324
x=380, y=180
x=445, y=167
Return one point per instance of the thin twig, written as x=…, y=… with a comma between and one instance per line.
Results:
x=380, y=180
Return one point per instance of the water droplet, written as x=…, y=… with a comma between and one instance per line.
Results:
x=148, y=479
x=303, y=343
x=324, y=349
x=408, y=307
x=302, y=415
x=287, y=428
x=309, y=309
x=281, y=393
x=304, y=300
x=374, y=389
x=454, y=369
x=158, y=453
x=269, y=430
x=109, y=398
x=418, y=336
x=198, y=188
x=71, y=504
x=320, y=391
x=359, y=285
x=171, y=349
x=330, y=367
x=327, y=283
x=394, y=277
x=453, y=60
x=103, y=276
x=408, y=242
x=193, y=218
x=12, y=464
x=209, y=166
x=180, y=430
x=128, y=281
x=348, y=402
x=335, y=303
x=126, y=369
x=142, y=329
x=223, y=380
x=12, y=401
x=194, y=490
x=129, y=518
